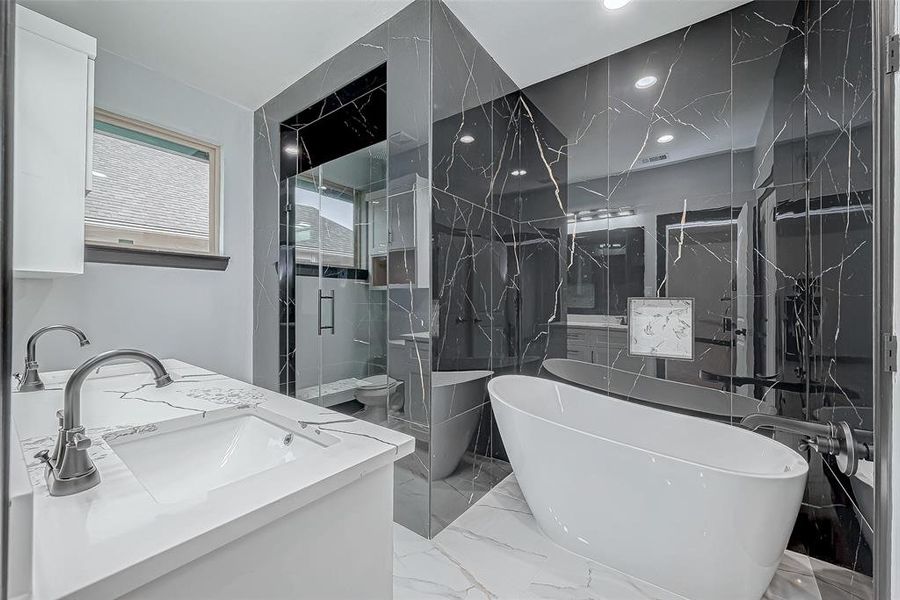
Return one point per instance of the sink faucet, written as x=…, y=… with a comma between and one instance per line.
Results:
x=31, y=379
x=846, y=444
x=69, y=469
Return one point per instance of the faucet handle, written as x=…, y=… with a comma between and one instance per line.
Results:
x=60, y=417
x=44, y=457
x=81, y=442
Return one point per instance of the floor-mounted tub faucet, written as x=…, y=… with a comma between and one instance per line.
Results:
x=69, y=469
x=847, y=445
x=30, y=381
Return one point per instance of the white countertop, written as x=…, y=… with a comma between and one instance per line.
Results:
x=115, y=537
x=594, y=322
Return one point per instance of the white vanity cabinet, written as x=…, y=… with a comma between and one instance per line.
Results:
x=603, y=345
x=53, y=137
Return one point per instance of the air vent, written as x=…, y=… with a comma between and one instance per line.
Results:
x=653, y=159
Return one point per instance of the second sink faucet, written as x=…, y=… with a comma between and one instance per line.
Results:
x=31, y=379
x=69, y=469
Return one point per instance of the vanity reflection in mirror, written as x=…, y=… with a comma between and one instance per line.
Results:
x=521, y=299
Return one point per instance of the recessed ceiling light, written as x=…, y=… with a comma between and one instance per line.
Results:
x=518, y=172
x=466, y=138
x=665, y=139
x=98, y=174
x=615, y=4
x=644, y=82
x=292, y=150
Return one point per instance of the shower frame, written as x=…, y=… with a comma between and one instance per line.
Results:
x=884, y=24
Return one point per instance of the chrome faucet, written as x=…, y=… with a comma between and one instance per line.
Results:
x=847, y=445
x=69, y=469
x=30, y=381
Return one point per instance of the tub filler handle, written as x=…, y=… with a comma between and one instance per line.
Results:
x=847, y=445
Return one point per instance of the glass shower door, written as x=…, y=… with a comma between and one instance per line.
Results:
x=341, y=245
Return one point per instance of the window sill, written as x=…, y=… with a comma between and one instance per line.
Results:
x=120, y=255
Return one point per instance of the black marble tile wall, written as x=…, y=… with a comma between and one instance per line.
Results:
x=738, y=150
x=741, y=147
x=498, y=198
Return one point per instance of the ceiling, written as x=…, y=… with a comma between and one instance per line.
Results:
x=247, y=51
x=534, y=40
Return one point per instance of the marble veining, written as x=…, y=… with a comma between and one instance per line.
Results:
x=760, y=208
x=496, y=551
x=118, y=521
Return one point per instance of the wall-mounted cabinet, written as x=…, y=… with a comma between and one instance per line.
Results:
x=401, y=239
x=54, y=115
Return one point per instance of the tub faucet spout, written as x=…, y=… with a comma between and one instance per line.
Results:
x=69, y=469
x=847, y=445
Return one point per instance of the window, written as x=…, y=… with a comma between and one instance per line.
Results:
x=152, y=189
x=327, y=224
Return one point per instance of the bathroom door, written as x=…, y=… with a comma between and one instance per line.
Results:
x=705, y=249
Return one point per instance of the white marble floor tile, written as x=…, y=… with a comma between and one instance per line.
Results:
x=794, y=580
x=496, y=551
x=422, y=571
x=837, y=583
x=567, y=576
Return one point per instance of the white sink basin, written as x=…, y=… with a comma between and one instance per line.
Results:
x=188, y=457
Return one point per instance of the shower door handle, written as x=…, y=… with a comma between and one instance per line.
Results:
x=321, y=298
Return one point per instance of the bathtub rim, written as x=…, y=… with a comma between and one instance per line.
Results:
x=691, y=411
x=474, y=375
x=740, y=431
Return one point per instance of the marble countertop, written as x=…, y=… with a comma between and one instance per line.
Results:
x=115, y=537
x=590, y=322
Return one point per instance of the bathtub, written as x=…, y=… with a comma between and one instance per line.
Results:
x=699, y=508
x=456, y=401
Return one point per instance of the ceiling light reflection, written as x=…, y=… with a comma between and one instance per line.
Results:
x=645, y=82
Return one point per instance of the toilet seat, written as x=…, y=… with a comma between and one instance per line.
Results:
x=376, y=382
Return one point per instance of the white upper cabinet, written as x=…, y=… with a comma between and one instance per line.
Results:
x=54, y=114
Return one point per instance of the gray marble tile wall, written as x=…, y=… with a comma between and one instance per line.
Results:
x=404, y=43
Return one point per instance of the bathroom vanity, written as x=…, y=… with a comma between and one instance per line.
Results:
x=210, y=487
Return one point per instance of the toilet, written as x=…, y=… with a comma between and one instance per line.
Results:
x=373, y=393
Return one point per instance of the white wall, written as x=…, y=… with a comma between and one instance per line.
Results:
x=202, y=317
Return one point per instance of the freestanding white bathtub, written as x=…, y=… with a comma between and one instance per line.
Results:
x=699, y=508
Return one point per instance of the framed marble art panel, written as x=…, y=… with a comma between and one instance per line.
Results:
x=661, y=328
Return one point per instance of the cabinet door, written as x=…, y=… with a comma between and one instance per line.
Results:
x=51, y=119
x=377, y=207
x=402, y=221
x=582, y=353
